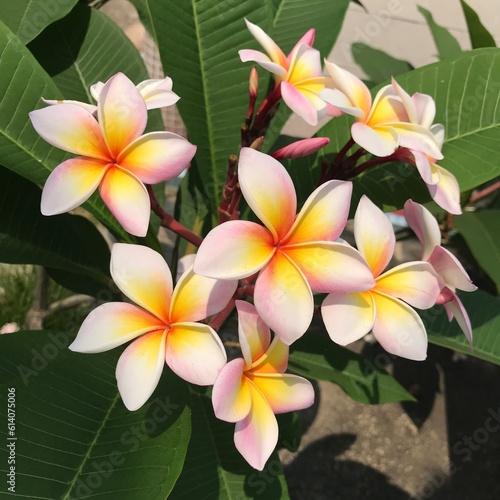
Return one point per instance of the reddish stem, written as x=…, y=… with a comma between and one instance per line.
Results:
x=370, y=163
x=218, y=320
x=266, y=106
x=484, y=192
x=170, y=223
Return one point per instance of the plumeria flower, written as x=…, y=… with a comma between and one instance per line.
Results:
x=380, y=126
x=299, y=74
x=157, y=93
x=164, y=323
x=114, y=156
x=384, y=309
x=442, y=185
x=453, y=275
x=293, y=254
x=252, y=389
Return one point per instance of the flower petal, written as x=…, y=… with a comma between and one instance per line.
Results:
x=274, y=360
x=262, y=60
x=234, y=250
x=337, y=99
x=417, y=138
x=231, y=397
x=144, y=277
x=274, y=201
x=398, y=328
x=455, y=309
x=70, y=184
x=424, y=168
x=305, y=64
x=197, y=297
x=195, y=353
x=374, y=235
x=127, y=199
x=122, y=113
x=267, y=43
x=256, y=436
x=284, y=392
x=330, y=267
x=283, y=298
x=379, y=141
x=324, y=214
x=299, y=103
x=157, y=93
x=71, y=128
x=139, y=369
x=446, y=193
x=353, y=88
x=450, y=270
x=413, y=282
x=424, y=225
x=91, y=108
x=111, y=325
x=254, y=335
x=348, y=316
x=157, y=156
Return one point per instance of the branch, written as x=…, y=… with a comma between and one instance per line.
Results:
x=170, y=223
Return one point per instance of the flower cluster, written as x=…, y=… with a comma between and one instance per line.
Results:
x=268, y=271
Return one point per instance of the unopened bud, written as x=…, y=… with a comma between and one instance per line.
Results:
x=301, y=148
x=257, y=144
x=253, y=87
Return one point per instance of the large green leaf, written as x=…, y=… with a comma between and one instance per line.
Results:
x=466, y=92
x=199, y=42
x=317, y=357
x=27, y=18
x=214, y=470
x=377, y=64
x=479, y=35
x=480, y=231
x=446, y=43
x=75, y=437
x=22, y=83
x=86, y=47
x=66, y=242
x=484, y=313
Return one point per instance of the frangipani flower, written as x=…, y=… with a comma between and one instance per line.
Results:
x=252, y=389
x=157, y=93
x=164, y=324
x=453, y=275
x=292, y=253
x=396, y=326
x=114, y=156
x=442, y=185
x=382, y=126
x=299, y=74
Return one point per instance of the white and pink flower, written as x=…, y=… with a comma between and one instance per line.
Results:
x=163, y=325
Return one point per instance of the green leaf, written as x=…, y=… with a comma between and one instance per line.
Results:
x=27, y=18
x=480, y=231
x=219, y=470
x=479, y=35
x=446, y=43
x=317, y=357
x=75, y=437
x=67, y=242
x=21, y=149
x=86, y=47
x=199, y=41
x=377, y=64
x=483, y=310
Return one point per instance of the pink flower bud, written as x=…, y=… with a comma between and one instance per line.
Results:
x=253, y=83
x=301, y=148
